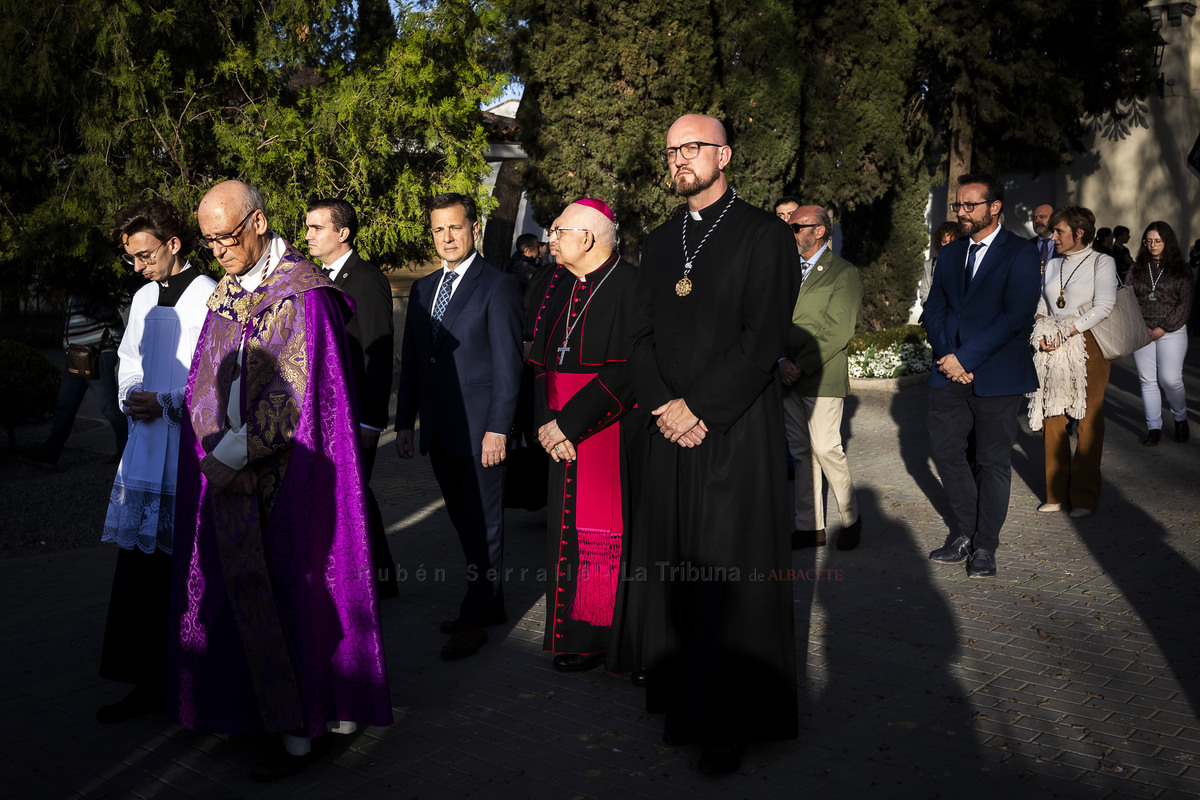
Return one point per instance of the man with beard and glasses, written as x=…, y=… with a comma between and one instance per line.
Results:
x=721, y=279
x=978, y=318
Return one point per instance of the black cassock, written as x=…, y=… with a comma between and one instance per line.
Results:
x=584, y=381
x=718, y=623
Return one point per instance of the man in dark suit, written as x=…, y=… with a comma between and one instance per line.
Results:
x=979, y=317
x=460, y=369
x=332, y=225
x=1041, y=233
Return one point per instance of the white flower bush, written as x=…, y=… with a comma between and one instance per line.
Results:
x=892, y=361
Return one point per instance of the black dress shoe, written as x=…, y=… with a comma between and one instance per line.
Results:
x=138, y=703
x=721, y=759
x=802, y=539
x=466, y=640
x=640, y=677
x=982, y=564
x=850, y=536
x=1153, y=437
x=282, y=764
x=952, y=552
x=450, y=626
x=578, y=662
x=673, y=738
x=1182, y=434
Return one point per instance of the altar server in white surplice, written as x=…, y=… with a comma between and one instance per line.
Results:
x=165, y=319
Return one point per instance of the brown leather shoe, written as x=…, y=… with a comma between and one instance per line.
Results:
x=850, y=536
x=801, y=539
x=466, y=640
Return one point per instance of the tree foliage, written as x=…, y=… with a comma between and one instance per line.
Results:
x=1009, y=84
x=603, y=82
x=108, y=102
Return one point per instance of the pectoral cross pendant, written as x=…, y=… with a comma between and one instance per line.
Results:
x=562, y=352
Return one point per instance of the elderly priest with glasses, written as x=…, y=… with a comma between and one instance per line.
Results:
x=275, y=627
x=586, y=330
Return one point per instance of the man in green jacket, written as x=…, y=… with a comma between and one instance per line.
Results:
x=816, y=370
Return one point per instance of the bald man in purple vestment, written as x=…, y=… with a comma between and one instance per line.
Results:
x=275, y=626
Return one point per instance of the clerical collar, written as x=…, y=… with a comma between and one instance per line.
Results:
x=253, y=278
x=335, y=269
x=172, y=288
x=712, y=208
x=612, y=259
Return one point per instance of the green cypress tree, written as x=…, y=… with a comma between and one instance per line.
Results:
x=603, y=82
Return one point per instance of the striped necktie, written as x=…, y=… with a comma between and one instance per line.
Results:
x=439, y=306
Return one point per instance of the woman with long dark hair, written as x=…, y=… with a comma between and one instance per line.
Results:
x=1162, y=282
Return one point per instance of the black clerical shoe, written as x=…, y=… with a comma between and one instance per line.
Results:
x=1153, y=437
x=850, y=536
x=640, y=677
x=1182, y=434
x=952, y=552
x=982, y=564
x=721, y=759
x=138, y=703
x=449, y=626
x=578, y=662
x=802, y=539
x=466, y=640
x=282, y=764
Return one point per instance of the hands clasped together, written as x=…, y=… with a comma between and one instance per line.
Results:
x=949, y=366
x=675, y=421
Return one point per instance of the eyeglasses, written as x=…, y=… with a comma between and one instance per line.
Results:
x=1152, y=242
x=558, y=231
x=797, y=227
x=147, y=257
x=969, y=207
x=688, y=151
x=226, y=239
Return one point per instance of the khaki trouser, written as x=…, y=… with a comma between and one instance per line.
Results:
x=814, y=431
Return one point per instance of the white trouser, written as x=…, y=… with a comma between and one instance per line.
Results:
x=814, y=431
x=1161, y=364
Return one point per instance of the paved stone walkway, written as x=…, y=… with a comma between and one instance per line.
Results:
x=1075, y=673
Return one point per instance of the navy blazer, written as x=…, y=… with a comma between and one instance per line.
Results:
x=467, y=384
x=988, y=326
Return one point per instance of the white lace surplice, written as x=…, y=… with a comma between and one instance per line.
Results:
x=155, y=356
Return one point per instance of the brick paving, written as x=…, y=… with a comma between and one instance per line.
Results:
x=1075, y=673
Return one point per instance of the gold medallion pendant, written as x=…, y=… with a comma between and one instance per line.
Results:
x=684, y=287
x=1061, y=302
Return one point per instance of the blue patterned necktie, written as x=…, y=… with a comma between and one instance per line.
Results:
x=439, y=306
x=970, y=266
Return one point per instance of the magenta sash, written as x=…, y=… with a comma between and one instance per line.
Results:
x=598, y=517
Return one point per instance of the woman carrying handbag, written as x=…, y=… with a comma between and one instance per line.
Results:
x=1072, y=372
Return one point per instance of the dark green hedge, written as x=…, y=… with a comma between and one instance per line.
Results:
x=887, y=337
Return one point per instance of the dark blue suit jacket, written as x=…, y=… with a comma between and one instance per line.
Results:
x=467, y=384
x=988, y=326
